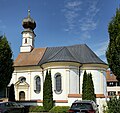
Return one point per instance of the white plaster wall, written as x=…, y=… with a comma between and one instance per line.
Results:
x=30, y=38
x=61, y=104
x=114, y=88
x=74, y=81
x=33, y=95
x=25, y=48
x=104, y=83
x=99, y=81
x=70, y=81
x=27, y=91
x=63, y=95
x=29, y=75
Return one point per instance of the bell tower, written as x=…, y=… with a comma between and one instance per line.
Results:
x=28, y=34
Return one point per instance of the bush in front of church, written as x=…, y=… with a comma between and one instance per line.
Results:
x=114, y=105
x=59, y=109
x=36, y=109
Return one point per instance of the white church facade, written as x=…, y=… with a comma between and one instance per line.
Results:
x=67, y=65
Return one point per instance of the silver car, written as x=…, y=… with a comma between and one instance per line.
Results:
x=11, y=107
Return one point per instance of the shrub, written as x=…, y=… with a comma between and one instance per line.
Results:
x=114, y=105
x=105, y=109
x=36, y=109
x=59, y=109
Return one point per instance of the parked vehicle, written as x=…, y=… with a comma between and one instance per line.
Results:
x=11, y=107
x=83, y=106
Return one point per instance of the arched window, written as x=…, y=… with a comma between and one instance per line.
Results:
x=37, y=83
x=22, y=79
x=58, y=83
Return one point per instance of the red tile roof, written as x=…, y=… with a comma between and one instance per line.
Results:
x=30, y=58
x=110, y=77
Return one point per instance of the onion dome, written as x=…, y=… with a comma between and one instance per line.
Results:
x=28, y=22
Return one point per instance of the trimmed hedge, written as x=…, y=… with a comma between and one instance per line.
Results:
x=36, y=109
x=55, y=109
x=59, y=109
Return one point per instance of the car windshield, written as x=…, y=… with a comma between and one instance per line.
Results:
x=81, y=106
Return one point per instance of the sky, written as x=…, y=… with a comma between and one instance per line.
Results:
x=59, y=22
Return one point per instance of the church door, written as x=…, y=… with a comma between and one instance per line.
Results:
x=22, y=95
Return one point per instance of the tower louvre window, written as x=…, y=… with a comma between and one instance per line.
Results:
x=25, y=40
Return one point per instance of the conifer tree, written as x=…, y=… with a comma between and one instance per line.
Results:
x=11, y=93
x=113, y=50
x=91, y=95
x=88, y=87
x=6, y=63
x=47, y=92
x=84, y=86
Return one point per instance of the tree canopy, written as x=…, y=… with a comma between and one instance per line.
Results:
x=6, y=62
x=113, y=50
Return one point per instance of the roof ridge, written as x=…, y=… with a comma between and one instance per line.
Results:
x=62, y=46
x=62, y=49
x=56, y=52
x=43, y=55
x=71, y=53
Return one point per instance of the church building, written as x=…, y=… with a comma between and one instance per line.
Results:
x=67, y=65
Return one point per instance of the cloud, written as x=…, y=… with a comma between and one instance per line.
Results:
x=88, y=23
x=73, y=5
x=85, y=35
x=71, y=13
x=80, y=16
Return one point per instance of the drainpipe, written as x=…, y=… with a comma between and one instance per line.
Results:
x=42, y=77
x=79, y=76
